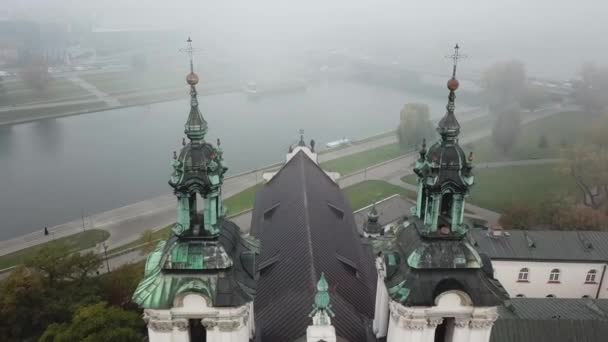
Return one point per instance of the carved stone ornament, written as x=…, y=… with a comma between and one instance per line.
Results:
x=435, y=321
x=413, y=324
x=461, y=322
x=481, y=323
x=208, y=323
x=160, y=326
x=229, y=325
x=181, y=324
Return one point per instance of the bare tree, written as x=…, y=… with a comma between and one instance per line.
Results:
x=503, y=84
x=506, y=130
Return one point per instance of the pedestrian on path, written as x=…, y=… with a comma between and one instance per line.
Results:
x=46, y=231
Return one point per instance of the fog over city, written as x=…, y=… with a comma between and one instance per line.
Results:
x=552, y=38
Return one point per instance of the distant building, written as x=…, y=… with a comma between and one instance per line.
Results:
x=23, y=41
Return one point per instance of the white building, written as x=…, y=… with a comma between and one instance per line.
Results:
x=562, y=264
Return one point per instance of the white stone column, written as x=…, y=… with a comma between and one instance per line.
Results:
x=381, y=312
x=462, y=331
x=431, y=328
x=408, y=324
x=181, y=332
x=160, y=330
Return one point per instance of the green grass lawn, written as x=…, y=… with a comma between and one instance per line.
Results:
x=365, y=193
x=17, y=93
x=118, y=82
x=241, y=201
x=160, y=234
x=74, y=243
x=563, y=129
x=532, y=185
x=361, y=160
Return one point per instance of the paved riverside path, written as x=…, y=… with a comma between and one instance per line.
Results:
x=126, y=224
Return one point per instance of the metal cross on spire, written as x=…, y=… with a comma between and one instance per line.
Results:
x=189, y=51
x=455, y=57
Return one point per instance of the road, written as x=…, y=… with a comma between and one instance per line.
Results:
x=126, y=224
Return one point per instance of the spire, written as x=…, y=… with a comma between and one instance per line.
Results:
x=321, y=313
x=302, y=143
x=448, y=126
x=196, y=126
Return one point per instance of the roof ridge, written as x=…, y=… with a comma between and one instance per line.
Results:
x=313, y=271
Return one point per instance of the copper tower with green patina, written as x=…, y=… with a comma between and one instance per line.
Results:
x=206, y=252
x=444, y=174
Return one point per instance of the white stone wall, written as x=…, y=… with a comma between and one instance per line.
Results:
x=465, y=323
x=571, y=281
x=221, y=324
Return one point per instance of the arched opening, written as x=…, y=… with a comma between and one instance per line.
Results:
x=446, y=204
x=445, y=331
x=197, y=331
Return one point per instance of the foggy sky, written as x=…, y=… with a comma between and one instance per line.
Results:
x=552, y=37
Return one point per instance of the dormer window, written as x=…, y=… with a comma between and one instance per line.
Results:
x=591, y=275
x=554, y=276
x=523, y=275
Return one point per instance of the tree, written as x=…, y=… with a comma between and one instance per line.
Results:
x=532, y=99
x=588, y=166
x=56, y=263
x=506, y=130
x=502, y=85
x=118, y=286
x=23, y=309
x=97, y=323
x=590, y=91
x=415, y=125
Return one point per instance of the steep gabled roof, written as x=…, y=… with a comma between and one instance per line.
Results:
x=306, y=226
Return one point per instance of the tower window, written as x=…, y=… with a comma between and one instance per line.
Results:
x=590, y=279
x=554, y=276
x=446, y=204
x=523, y=275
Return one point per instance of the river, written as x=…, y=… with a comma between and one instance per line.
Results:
x=53, y=171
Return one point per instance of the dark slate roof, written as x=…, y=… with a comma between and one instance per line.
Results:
x=542, y=245
x=443, y=265
x=552, y=319
x=306, y=226
x=392, y=209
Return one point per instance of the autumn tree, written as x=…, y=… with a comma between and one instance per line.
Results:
x=56, y=263
x=97, y=323
x=503, y=84
x=506, y=131
x=415, y=125
x=23, y=306
x=590, y=91
x=118, y=286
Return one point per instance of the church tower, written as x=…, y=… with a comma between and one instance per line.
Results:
x=433, y=286
x=199, y=285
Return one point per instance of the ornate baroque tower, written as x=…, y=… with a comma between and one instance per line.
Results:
x=432, y=284
x=199, y=284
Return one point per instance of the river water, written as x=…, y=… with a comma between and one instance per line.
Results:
x=53, y=171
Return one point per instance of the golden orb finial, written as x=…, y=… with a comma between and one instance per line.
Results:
x=192, y=79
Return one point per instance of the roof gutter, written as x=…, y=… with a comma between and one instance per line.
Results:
x=599, y=288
